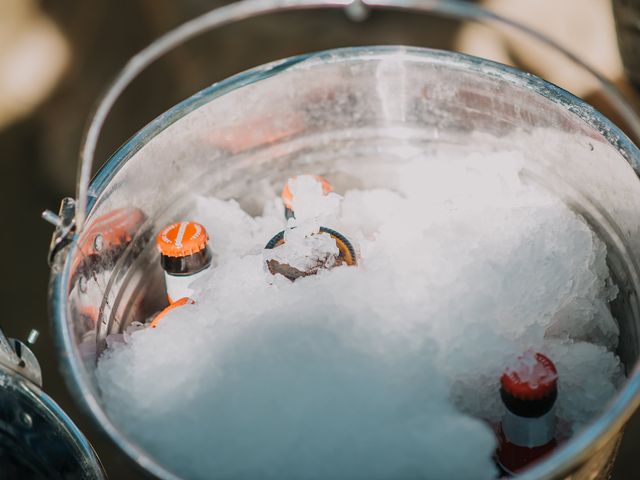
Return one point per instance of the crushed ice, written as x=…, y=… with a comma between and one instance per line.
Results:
x=387, y=370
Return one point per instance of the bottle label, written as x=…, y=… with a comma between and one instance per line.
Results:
x=178, y=286
x=529, y=432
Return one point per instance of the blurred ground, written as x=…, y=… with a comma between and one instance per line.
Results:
x=87, y=42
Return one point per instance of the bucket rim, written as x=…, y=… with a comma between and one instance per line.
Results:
x=566, y=459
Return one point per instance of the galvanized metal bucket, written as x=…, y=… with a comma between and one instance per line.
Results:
x=352, y=113
x=38, y=440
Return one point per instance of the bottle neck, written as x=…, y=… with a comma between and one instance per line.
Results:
x=187, y=265
x=179, y=286
x=529, y=432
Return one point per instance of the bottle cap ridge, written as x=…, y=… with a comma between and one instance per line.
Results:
x=182, y=239
x=534, y=376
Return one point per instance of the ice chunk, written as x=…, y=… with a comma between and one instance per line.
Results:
x=115, y=339
x=585, y=320
x=588, y=376
x=305, y=254
x=309, y=200
x=231, y=230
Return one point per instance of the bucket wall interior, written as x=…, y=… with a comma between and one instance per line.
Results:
x=353, y=116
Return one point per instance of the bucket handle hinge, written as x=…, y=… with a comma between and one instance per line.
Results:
x=65, y=225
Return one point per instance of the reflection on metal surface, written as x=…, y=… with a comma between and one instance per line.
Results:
x=37, y=440
x=106, y=242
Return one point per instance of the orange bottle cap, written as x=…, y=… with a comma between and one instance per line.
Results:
x=287, y=196
x=176, y=304
x=182, y=239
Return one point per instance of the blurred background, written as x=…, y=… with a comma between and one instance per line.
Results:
x=57, y=56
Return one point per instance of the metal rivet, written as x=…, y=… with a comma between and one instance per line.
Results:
x=26, y=419
x=32, y=338
x=98, y=243
x=357, y=11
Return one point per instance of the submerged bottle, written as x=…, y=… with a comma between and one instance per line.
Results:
x=172, y=306
x=184, y=255
x=527, y=431
x=317, y=259
x=305, y=247
x=287, y=194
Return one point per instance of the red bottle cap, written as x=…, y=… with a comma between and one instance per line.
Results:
x=533, y=376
